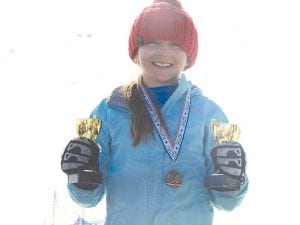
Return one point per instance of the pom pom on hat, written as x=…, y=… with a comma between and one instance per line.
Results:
x=173, y=2
x=164, y=20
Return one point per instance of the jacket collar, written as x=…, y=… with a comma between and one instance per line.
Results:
x=117, y=98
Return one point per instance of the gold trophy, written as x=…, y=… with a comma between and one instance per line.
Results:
x=88, y=129
x=223, y=132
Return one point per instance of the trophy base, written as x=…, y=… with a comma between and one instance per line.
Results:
x=222, y=182
x=84, y=178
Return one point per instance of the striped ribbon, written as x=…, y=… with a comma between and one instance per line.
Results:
x=172, y=147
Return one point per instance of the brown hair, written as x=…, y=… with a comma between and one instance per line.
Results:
x=141, y=123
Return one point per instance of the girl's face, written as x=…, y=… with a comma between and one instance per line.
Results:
x=161, y=63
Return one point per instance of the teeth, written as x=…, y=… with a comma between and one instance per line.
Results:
x=162, y=64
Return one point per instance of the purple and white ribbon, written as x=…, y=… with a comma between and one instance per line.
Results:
x=172, y=147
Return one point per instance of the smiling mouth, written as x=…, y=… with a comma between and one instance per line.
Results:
x=162, y=65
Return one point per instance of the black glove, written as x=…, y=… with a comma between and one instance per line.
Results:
x=80, y=154
x=229, y=159
x=80, y=161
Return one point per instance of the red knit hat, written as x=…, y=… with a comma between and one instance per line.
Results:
x=166, y=21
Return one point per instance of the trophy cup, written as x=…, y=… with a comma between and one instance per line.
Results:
x=89, y=129
x=224, y=132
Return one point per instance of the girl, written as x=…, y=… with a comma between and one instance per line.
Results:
x=155, y=137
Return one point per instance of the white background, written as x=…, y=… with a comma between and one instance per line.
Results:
x=59, y=58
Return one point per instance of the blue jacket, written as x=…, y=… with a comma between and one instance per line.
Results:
x=134, y=177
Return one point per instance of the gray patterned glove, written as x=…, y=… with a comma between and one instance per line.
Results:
x=80, y=154
x=229, y=158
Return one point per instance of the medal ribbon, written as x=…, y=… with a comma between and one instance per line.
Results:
x=171, y=147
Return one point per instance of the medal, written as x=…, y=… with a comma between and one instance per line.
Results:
x=173, y=178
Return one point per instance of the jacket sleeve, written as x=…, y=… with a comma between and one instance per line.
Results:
x=90, y=198
x=221, y=200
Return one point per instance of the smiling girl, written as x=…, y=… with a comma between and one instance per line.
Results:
x=155, y=137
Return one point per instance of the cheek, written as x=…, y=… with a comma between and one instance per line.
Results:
x=184, y=60
x=144, y=58
x=139, y=57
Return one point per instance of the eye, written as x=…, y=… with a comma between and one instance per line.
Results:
x=175, y=46
x=154, y=43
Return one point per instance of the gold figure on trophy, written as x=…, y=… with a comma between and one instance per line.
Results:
x=88, y=128
x=224, y=131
